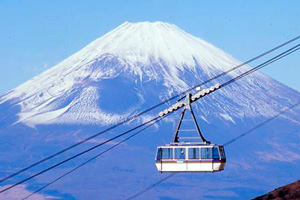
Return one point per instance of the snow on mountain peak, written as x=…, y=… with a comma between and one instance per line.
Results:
x=145, y=43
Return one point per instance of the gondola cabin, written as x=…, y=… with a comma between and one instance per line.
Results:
x=187, y=156
x=190, y=157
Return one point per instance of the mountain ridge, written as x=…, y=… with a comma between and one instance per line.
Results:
x=287, y=192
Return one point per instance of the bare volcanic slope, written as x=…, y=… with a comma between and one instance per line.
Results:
x=287, y=192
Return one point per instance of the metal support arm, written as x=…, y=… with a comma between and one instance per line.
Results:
x=187, y=106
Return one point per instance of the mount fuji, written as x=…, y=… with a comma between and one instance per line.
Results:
x=127, y=70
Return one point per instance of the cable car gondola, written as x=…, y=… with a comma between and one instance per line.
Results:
x=190, y=157
x=187, y=156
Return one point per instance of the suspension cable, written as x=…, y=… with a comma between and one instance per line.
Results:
x=261, y=124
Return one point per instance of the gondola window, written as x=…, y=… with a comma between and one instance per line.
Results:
x=179, y=153
x=194, y=153
x=206, y=153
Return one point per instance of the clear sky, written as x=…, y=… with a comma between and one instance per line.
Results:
x=37, y=34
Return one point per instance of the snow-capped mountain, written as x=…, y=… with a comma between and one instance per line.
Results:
x=134, y=56
x=125, y=71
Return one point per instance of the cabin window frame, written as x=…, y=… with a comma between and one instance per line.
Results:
x=194, y=153
x=222, y=152
x=160, y=154
x=210, y=157
x=214, y=150
x=175, y=154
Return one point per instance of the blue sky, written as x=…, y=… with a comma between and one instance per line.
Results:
x=37, y=34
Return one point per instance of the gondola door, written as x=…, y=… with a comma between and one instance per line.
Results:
x=180, y=157
x=193, y=162
x=207, y=159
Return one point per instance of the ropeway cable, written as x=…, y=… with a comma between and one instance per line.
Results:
x=145, y=111
x=261, y=124
x=274, y=59
x=280, y=56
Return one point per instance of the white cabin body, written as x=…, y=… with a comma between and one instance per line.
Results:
x=190, y=157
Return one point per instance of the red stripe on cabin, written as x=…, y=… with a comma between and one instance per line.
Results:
x=166, y=161
x=203, y=161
